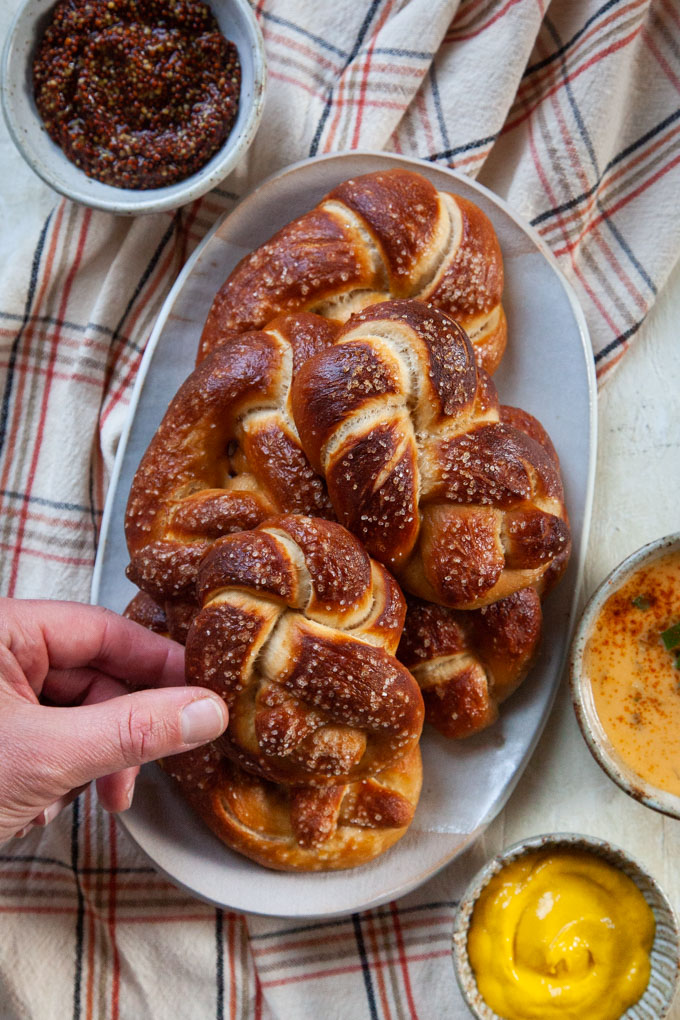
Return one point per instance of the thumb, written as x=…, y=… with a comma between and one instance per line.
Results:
x=68, y=747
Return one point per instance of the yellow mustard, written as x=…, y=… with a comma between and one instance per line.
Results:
x=561, y=935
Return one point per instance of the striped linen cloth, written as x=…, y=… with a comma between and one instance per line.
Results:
x=568, y=110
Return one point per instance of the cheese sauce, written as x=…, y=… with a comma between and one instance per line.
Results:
x=635, y=677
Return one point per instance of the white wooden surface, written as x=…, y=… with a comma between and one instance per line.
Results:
x=637, y=498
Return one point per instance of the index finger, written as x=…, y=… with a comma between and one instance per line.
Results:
x=44, y=634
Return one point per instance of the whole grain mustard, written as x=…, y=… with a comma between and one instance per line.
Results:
x=561, y=935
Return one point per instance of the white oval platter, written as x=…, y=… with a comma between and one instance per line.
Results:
x=548, y=370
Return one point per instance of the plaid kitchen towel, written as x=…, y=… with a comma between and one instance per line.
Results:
x=568, y=110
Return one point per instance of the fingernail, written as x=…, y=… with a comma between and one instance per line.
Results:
x=22, y=832
x=49, y=814
x=130, y=795
x=202, y=720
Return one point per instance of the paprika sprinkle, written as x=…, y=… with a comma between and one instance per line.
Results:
x=632, y=660
x=137, y=93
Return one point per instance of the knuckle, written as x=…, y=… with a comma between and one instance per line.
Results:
x=138, y=734
x=106, y=623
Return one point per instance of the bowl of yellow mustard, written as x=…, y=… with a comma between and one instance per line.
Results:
x=566, y=927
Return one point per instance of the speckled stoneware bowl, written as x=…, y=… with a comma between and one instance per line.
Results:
x=665, y=956
x=582, y=693
x=237, y=22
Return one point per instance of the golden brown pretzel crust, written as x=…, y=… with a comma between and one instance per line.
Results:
x=225, y=457
x=171, y=619
x=296, y=633
x=142, y=609
x=299, y=828
x=468, y=663
x=464, y=506
x=379, y=236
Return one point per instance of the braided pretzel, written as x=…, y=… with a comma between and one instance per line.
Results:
x=463, y=506
x=467, y=663
x=296, y=633
x=291, y=828
x=225, y=457
x=383, y=235
x=299, y=828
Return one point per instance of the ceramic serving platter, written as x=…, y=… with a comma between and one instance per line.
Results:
x=547, y=370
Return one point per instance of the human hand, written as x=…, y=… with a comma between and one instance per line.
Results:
x=58, y=654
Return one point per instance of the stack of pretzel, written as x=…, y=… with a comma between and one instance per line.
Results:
x=341, y=430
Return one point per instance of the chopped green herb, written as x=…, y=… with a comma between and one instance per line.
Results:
x=677, y=660
x=671, y=637
x=641, y=602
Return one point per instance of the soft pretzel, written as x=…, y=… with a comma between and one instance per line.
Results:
x=225, y=457
x=291, y=828
x=296, y=633
x=467, y=663
x=382, y=235
x=142, y=609
x=299, y=828
x=463, y=506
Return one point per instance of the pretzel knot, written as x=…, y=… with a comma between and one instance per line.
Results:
x=298, y=828
x=379, y=236
x=468, y=663
x=462, y=501
x=296, y=633
x=225, y=457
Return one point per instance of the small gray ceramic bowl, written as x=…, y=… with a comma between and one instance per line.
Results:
x=237, y=22
x=582, y=693
x=665, y=956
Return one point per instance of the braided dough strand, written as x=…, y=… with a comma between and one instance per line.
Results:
x=225, y=457
x=379, y=236
x=297, y=828
x=468, y=663
x=463, y=506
